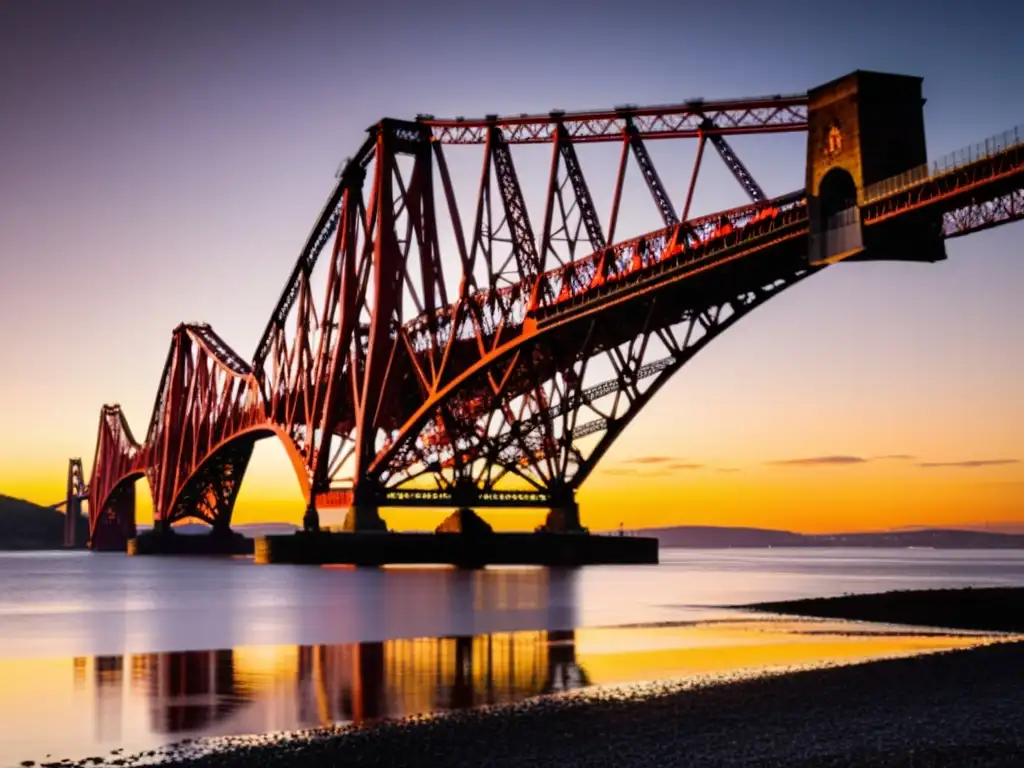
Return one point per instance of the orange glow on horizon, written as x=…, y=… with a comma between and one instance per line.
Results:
x=737, y=439
x=876, y=495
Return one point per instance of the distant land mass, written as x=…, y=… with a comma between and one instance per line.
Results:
x=723, y=537
x=715, y=537
x=24, y=525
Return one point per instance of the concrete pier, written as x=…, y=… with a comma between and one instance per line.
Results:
x=153, y=543
x=461, y=549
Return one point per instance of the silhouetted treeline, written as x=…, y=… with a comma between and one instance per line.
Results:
x=24, y=525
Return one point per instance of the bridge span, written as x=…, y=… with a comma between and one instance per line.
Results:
x=427, y=354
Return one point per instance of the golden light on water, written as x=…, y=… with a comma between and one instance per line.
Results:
x=143, y=700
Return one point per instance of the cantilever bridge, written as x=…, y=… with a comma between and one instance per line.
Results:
x=399, y=380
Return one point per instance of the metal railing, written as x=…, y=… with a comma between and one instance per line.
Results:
x=841, y=234
x=989, y=148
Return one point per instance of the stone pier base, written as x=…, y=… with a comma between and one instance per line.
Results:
x=364, y=518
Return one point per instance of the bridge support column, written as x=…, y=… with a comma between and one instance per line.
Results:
x=364, y=514
x=564, y=518
x=73, y=506
x=221, y=527
x=362, y=518
x=564, y=515
x=311, y=520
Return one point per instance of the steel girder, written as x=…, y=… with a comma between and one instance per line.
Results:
x=696, y=118
x=537, y=402
x=769, y=114
x=984, y=214
x=738, y=169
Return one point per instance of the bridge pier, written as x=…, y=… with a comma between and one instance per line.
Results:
x=220, y=541
x=564, y=518
x=311, y=520
x=364, y=517
x=464, y=539
x=564, y=513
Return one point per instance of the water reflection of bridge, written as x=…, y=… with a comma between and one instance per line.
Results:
x=186, y=691
x=189, y=691
x=397, y=678
x=282, y=687
x=194, y=692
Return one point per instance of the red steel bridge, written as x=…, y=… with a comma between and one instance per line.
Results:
x=489, y=354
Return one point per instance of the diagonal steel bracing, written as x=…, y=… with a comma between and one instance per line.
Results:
x=555, y=441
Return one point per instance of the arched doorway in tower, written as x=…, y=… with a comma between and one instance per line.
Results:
x=836, y=231
x=836, y=193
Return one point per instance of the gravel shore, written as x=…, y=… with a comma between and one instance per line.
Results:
x=961, y=708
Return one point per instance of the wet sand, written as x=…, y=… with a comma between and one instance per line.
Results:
x=960, y=708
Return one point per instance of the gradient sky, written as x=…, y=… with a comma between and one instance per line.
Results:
x=162, y=162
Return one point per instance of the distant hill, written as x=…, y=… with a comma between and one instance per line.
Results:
x=24, y=525
x=714, y=537
x=999, y=527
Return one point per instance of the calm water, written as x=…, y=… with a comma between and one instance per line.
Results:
x=116, y=649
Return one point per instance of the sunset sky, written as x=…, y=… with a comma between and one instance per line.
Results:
x=163, y=162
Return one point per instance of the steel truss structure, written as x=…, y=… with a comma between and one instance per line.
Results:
x=77, y=493
x=438, y=348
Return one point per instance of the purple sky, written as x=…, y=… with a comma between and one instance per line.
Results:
x=162, y=162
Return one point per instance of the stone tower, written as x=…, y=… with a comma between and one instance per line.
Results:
x=865, y=128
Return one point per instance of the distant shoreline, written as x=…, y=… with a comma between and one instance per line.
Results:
x=1005, y=546
x=997, y=609
x=716, y=537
